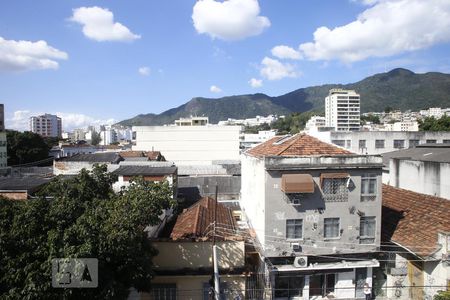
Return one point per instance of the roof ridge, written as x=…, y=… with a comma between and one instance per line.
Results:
x=197, y=215
x=292, y=142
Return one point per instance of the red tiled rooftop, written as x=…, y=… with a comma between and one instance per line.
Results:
x=131, y=154
x=196, y=222
x=413, y=220
x=297, y=145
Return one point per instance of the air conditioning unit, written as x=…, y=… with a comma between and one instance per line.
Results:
x=301, y=262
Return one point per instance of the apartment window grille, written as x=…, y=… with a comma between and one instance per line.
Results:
x=399, y=144
x=367, y=230
x=335, y=189
x=331, y=228
x=379, y=144
x=294, y=229
x=167, y=291
x=368, y=187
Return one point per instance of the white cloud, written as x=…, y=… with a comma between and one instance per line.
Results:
x=255, y=83
x=26, y=55
x=144, y=71
x=215, y=89
x=70, y=121
x=230, y=19
x=285, y=52
x=273, y=69
x=98, y=24
x=389, y=27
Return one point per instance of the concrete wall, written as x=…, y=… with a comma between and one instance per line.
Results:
x=190, y=144
x=74, y=167
x=3, y=154
x=313, y=210
x=194, y=187
x=352, y=139
x=253, y=194
x=431, y=178
x=191, y=287
x=193, y=255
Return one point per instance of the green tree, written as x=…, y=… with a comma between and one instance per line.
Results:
x=370, y=118
x=293, y=123
x=432, y=124
x=25, y=147
x=96, y=138
x=443, y=295
x=76, y=218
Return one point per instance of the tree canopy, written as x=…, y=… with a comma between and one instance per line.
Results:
x=25, y=147
x=81, y=217
x=432, y=124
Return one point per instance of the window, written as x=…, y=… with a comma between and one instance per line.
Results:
x=163, y=291
x=379, y=144
x=340, y=143
x=362, y=144
x=368, y=187
x=335, y=189
x=289, y=286
x=446, y=141
x=431, y=141
x=294, y=229
x=367, y=230
x=413, y=143
x=399, y=144
x=331, y=228
x=349, y=144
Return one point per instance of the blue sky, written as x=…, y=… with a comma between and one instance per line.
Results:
x=104, y=61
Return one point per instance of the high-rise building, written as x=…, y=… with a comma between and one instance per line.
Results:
x=342, y=110
x=46, y=125
x=3, y=154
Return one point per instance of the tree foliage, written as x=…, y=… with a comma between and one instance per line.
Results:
x=373, y=119
x=25, y=147
x=443, y=295
x=293, y=123
x=80, y=217
x=432, y=124
x=96, y=138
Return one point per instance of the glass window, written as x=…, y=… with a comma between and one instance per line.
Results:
x=349, y=144
x=368, y=187
x=289, y=286
x=431, y=141
x=340, y=143
x=446, y=141
x=367, y=230
x=362, y=144
x=331, y=228
x=335, y=189
x=379, y=144
x=163, y=291
x=399, y=144
x=294, y=229
x=413, y=143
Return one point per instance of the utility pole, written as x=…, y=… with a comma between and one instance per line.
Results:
x=215, y=260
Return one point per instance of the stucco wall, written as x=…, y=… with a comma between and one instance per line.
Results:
x=15, y=195
x=253, y=191
x=179, y=255
x=431, y=178
x=190, y=144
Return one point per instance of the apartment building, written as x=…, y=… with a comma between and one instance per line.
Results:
x=46, y=125
x=342, y=110
x=315, y=209
x=3, y=153
x=192, y=121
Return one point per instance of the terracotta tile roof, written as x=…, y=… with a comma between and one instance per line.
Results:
x=155, y=155
x=196, y=222
x=413, y=220
x=131, y=154
x=297, y=145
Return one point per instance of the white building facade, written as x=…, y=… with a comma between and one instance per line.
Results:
x=342, y=110
x=46, y=125
x=190, y=144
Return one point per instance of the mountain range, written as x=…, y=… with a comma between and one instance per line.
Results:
x=399, y=89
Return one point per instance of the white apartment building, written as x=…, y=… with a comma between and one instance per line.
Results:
x=258, y=120
x=401, y=126
x=315, y=122
x=195, y=145
x=253, y=139
x=192, y=121
x=46, y=125
x=108, y=136
x=342, y=110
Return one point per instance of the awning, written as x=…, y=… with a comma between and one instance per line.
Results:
x=297, y=183
x=332, y=175
x=331, y=266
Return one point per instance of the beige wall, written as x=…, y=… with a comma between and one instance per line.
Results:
x=15, y=195
x=191, y=287
x=179, y=255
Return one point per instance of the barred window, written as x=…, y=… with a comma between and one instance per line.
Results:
x=163, y=291
x=294, y=228
x=368, y=187
x=335, y=189
x=331, y=227
x=362, y=144
x=379, y=144
x=367, y=230
x=399, y=144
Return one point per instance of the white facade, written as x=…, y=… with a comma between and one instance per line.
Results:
x=252, y=139
x=342, y=110
x=46, y=125
x=258, y=120
x=378, y=142
x=192, y=121
x=108, y=136
x=405, y=126
x=190, y=144
x=315, y=122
